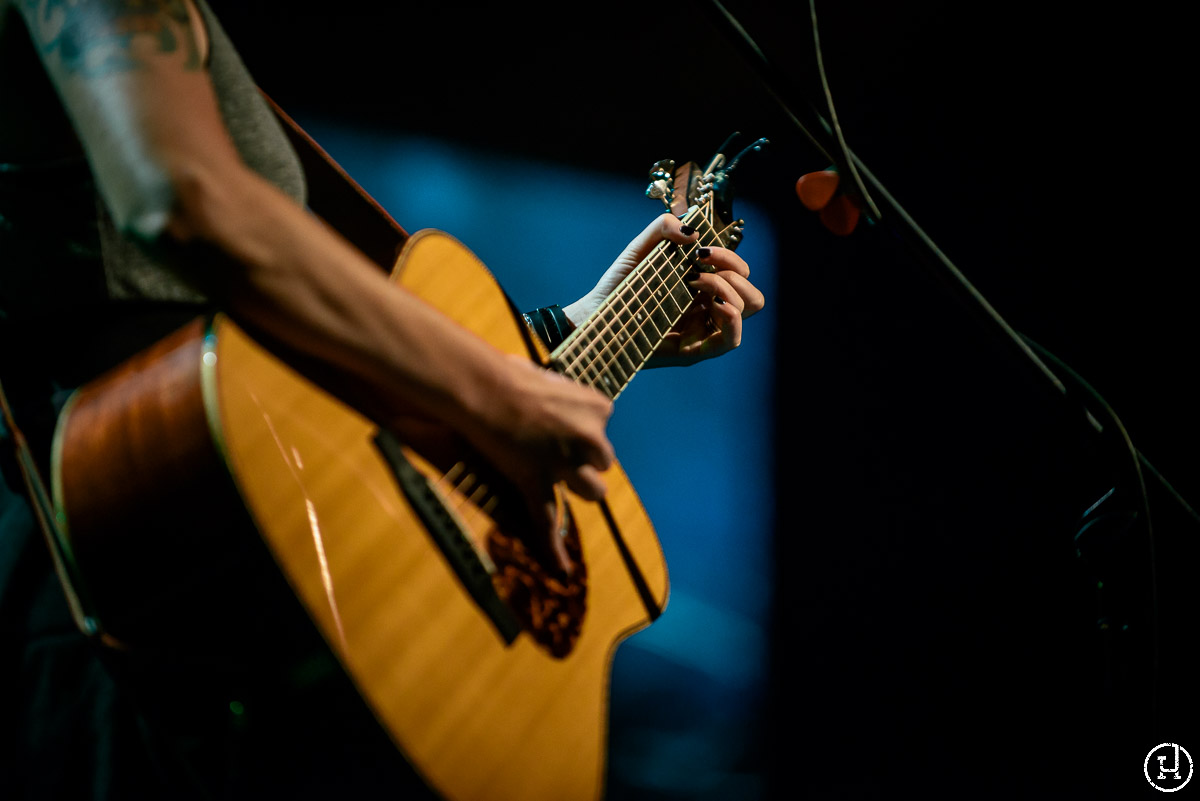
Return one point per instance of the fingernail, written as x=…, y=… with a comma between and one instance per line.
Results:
x=719, y=300
x=687, y=230
x=703, y=253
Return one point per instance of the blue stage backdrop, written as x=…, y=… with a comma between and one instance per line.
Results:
x=688, y=693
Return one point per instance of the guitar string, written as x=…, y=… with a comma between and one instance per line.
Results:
x=484, y=504
x=448, y=485
x=616, y=318
x=598, y=361
x=578, y=341
x=450, y=475
x=587, y=350
x=600, y=323
x=481, y=497
x=482, y=501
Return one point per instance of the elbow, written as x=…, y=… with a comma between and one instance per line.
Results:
x=149, y=224
x=145, y=210
x=169, y=208
x=177, y=220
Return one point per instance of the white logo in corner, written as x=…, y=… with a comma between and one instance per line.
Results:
x=1168, y=767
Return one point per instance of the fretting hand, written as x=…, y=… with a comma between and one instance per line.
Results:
x=713, y=325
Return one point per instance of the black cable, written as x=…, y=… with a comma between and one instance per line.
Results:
x=1134, y=464
x=847, y=162
x=908, y=231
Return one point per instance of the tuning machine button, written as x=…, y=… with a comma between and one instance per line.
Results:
x=733, y=236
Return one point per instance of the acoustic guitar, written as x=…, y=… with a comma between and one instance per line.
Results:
x=484, y=662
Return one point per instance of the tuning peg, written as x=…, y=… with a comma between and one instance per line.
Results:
x=658, y=189
x=662, y=176
x=662, y=170
x=734, y=236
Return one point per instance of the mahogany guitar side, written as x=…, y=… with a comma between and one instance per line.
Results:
x=210, y=425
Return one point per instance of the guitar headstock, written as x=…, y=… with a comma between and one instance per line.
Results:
x=689, y=190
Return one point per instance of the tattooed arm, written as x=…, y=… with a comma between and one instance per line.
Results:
x=130, y=74
x=123, y=70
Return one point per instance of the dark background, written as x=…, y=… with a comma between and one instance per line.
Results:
x=938, y=631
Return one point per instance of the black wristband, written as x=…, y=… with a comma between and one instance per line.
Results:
x=550, y=324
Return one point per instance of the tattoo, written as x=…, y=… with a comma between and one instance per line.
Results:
x=95, y=37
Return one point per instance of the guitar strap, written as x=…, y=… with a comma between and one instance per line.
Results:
x=341, y=202
x=42, y=506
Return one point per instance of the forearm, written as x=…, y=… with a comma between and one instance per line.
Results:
x=287, y=275
x=131, y=78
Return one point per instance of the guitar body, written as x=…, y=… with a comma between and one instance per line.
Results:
x=228, y=440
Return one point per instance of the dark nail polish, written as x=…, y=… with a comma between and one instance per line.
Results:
x=687, y=230
x=719, y=300
x=703, y=253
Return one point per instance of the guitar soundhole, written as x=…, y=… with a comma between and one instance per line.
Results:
x=549, y=604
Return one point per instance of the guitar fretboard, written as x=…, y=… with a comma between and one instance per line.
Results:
x=608, y=349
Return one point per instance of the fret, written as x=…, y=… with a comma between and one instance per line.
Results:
x=604, y=364
x=618, y=365
x=613, y=345
x=591, y=372
x=637, y=303
x=682, y=296
x=624, y=362
x=608, y=384
x=649, y=313
x=617, y=368
x=611, y=352
x=631, y=333
x=578, y=367
x=633, y=346
x=667, y=306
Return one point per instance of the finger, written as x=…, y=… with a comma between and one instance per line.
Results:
x=727, y=337
x=676, y=230
x=580, y=462
x=664, y=226
x=586, y=482
x=729, y=325
x=752, y=298
x=547, y=516
x=723, y=259
x=596, y=453
x=725, y=310
x=717, y=287
x=736, y=271
x=592, y=445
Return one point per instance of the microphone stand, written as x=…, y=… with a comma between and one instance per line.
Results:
x=881, y=209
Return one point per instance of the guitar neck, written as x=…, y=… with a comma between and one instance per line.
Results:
x=608, y=349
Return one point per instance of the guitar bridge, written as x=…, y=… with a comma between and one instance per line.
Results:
x=473, y=569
